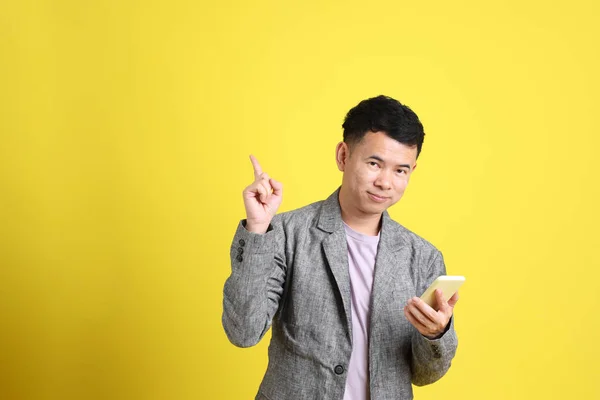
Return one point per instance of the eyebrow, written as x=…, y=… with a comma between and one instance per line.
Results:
x=374, y=157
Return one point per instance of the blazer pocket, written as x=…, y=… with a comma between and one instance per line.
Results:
x=305, y=343
x=295, y=341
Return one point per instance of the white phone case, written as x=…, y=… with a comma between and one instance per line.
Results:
x=447, y=283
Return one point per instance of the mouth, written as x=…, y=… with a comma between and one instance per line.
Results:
x=376, y=198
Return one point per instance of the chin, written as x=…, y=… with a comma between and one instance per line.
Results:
x=375, y=208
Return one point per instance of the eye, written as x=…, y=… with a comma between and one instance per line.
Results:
x=402, y=171
x=373, y=164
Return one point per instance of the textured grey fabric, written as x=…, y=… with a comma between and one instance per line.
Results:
x=295, y=278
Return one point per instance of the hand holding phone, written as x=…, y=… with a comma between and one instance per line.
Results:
x=448, y=284
x=431, y=313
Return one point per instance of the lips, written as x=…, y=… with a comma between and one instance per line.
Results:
x=376, y=198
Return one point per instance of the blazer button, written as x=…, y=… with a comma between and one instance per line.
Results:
x=239, y=258
x=339, y=369
x=242, y=242
x=240, y=250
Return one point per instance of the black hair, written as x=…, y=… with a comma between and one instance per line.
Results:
x=383, y=114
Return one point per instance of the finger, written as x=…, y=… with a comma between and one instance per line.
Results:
x=261, y=192
x=264, y=177
x=267, y=189
x=415, y=322
x=424, y=308
x=277, y=187
x=442, y=304
x=424, y=330
x=257, y=168
x=430, y=327
x=445, y=308
x=265, y=183
x=453, y=300
x=419, y=315
x=251, y=190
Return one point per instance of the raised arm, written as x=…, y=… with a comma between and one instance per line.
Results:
x=258, y=268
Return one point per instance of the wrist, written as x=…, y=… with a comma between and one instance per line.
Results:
x=258, y=228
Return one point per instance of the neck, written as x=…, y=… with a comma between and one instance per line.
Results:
x=367, y=224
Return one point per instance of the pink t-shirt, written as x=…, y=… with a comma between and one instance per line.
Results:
x=362, y=250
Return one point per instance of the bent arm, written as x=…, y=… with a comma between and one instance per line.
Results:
x=431, y=358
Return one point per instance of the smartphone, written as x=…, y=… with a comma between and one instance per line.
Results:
x=448, y=285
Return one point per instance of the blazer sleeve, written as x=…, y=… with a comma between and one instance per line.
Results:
x=252, y=292
x=431, y=359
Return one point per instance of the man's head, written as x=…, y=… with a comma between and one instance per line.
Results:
x=383, y=114
x=382, y=140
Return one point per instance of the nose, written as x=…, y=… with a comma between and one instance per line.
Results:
x=383, y=180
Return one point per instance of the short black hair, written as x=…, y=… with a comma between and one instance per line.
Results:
x=383, y=114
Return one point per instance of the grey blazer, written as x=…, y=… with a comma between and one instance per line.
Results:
x=295, y=278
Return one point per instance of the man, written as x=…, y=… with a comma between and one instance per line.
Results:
x=338, y=280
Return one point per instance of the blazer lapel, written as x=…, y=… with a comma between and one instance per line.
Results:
x=391, y=265
x=336, y=251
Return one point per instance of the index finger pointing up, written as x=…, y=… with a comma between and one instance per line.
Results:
x=257, y=169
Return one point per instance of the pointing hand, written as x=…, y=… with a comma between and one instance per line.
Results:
x=261, y=199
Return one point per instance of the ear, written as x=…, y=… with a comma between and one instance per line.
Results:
x=414, y=167
x=342, y=152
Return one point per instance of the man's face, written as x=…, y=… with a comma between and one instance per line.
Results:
x=376, y=172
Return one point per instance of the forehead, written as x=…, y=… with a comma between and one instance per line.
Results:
x=383, y=146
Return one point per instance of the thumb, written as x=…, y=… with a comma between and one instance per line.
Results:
x=441, y=303
x=453, y=300
x=277, y=187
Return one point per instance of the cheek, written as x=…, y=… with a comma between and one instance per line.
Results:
x=401, y=184
x=362, y=177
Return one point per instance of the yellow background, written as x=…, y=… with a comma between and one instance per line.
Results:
x=125, y=132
